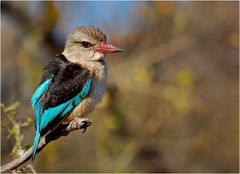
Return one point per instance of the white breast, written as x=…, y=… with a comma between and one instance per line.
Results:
x=95, y=96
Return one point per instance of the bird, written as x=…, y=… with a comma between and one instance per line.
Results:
x=73, y=83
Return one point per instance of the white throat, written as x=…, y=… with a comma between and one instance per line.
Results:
x=93, y=61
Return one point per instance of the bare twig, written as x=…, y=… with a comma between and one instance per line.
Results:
x=62, y=130
x=30, y=166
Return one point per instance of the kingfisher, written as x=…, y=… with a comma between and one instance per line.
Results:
x=73, y=83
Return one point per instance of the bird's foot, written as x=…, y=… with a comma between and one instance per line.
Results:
x=79, y=123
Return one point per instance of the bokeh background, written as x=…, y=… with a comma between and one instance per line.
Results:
x=172, y=97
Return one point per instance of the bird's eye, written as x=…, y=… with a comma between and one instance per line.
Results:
x=86, y=44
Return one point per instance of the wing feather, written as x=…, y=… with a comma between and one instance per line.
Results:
x=63, y=109
x=64, y=85
x=39, y=92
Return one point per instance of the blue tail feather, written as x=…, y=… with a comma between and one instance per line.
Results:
x=35, y=144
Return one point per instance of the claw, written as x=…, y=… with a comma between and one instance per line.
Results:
x=85, y=124
x=84, y=130
x=81, y=123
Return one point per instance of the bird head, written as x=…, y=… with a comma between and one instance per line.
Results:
x=87, y=44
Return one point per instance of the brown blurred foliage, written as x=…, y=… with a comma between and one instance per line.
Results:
x=172, y=98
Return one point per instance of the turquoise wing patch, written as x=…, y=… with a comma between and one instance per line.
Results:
x=63, y=109
x=39, y=92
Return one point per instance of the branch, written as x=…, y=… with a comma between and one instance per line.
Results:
x=62, y=130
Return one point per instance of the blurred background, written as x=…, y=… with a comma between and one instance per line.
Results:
x=172, y=97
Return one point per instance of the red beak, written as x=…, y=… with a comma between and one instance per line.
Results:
x=107, y=48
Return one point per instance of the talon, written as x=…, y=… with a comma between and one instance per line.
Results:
x=79, y=124
x=85, y=125
x=84, y=130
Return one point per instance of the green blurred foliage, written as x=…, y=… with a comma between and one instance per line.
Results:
x=14, y=131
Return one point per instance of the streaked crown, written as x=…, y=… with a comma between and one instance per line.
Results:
x=90, y=34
